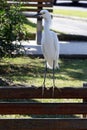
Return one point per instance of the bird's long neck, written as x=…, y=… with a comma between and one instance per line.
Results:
x=46, y=25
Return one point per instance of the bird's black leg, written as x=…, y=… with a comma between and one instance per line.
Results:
x=45, y=71
x=53, y=78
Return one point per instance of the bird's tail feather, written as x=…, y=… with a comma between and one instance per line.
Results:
x=50, y=65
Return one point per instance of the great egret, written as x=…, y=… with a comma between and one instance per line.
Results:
x=49, y=45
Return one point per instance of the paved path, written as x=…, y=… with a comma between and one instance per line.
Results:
x=71, y=25
x=68, y=25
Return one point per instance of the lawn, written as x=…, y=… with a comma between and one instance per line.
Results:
x=74, y=13
x=30, y=71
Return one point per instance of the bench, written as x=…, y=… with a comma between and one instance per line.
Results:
x=34, y=108
x=31, y=7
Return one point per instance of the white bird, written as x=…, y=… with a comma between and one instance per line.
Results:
x=49, y=45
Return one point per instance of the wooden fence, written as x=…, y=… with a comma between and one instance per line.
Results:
x=10, y=106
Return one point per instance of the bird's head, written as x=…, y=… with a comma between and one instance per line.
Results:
x=45, y=14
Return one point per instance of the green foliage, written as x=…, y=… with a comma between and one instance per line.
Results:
x=11, y=27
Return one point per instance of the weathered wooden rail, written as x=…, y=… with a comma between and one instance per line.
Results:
x=37, y=108
x=30, y=7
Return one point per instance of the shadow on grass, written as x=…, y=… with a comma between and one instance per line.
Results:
x=74, y=68
x=69, y=68
x=22, y=72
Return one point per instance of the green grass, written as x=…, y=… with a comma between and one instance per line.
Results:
x=25, y=70
x=30, y=26
x=75, y=13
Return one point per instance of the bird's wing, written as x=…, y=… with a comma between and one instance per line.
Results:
x=56, y=44
x=43, y=47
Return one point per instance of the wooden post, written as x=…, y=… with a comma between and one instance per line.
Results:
x=39, y=26
x=39, y=30
x=84, y=100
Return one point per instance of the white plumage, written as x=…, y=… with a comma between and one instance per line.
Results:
x=49, y=42
x=50, y=46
